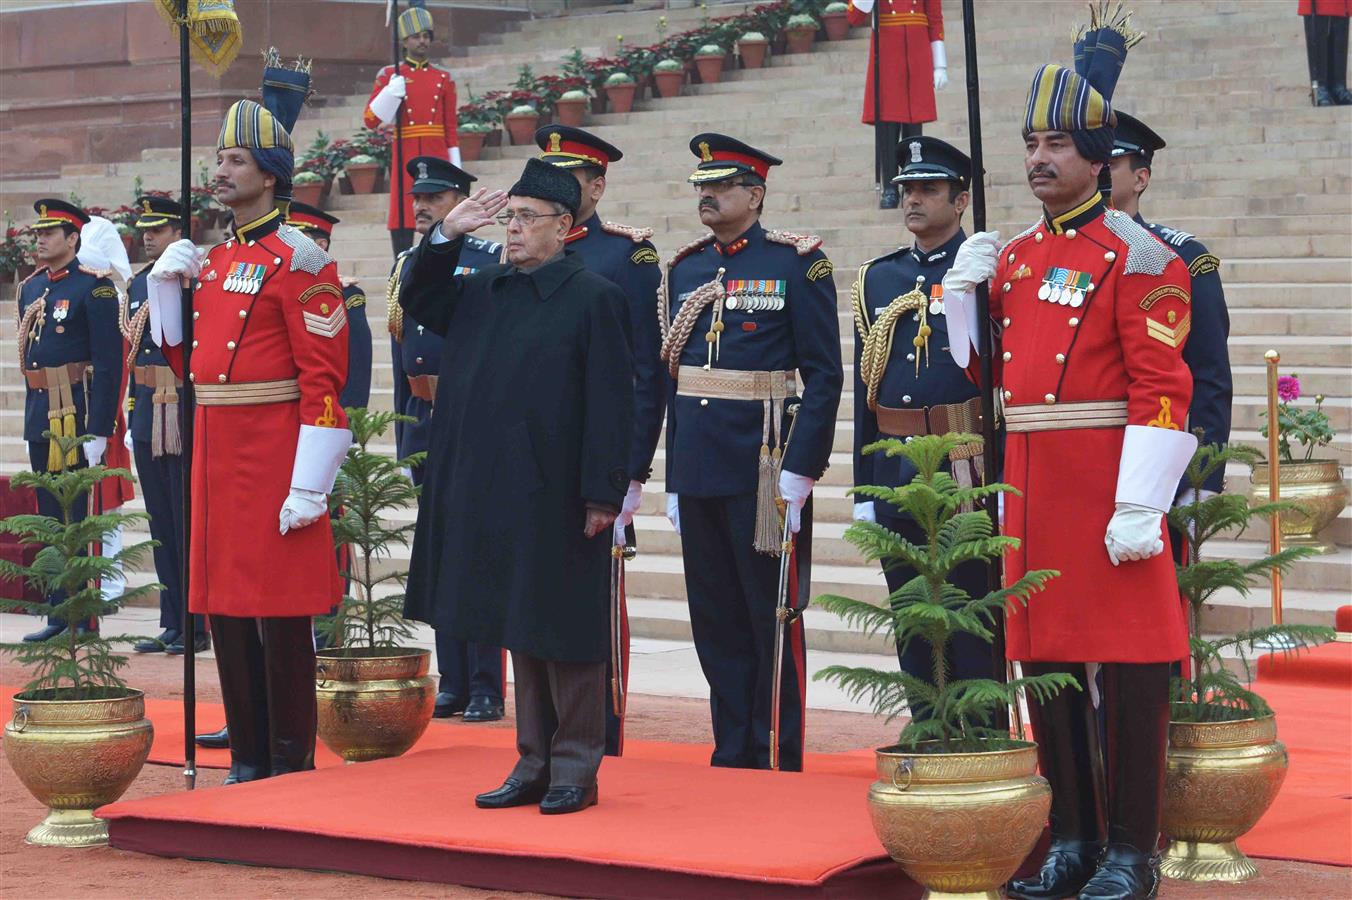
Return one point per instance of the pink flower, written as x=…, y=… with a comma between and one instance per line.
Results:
x=1288, y=388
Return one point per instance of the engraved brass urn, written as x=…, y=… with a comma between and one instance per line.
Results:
x=1318, y=492
x=1219, y=779
x=75, y=756
x=959, y=824
x=373, y=704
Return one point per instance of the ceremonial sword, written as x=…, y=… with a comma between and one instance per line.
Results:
x=784, y=613
x=619, y=554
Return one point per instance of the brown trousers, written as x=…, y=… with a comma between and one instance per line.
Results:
x=560, y=720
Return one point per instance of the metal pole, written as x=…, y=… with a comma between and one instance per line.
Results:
x=1272, y=357
x=398, y=122
x=879, y=151
x=185, y=412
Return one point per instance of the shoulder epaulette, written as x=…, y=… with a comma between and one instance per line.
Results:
x=97, y=273
x=1146, y=254
x=1172, y=236
x=690, y=248
x=478, y=243
x=306, y=255
x=41, y=270
x=634, y=233
x=802, y=243
x=1020, y=236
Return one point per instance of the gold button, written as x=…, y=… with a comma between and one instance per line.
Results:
x=221, y=378
x=244, y=314
x=147, y=350
x=1006, y=285
x=276, y=260
x=1011, y=257
x=1110, y=256
x=196, y=315
x=1009, y=395
x=1008, y=356
x=194, y=344
x=704, y=402
x=1007, y=320
x=1074, y=320
x=1060, y=359
x=1050, y=398
x=230, y=345
x=1038, y=237
x=192, y=376
x=1070, y=233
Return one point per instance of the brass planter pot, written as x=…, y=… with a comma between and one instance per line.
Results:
x=959, y=824
x=375, y=705
x=75, y=756
x=1318, y=491
x=1220, y=778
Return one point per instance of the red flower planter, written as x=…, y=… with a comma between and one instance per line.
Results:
x=837, y=26
x=753, y=53
x=472, y=145
x=362, y=177
x=621, y=96
x=669, y=83
x=710, y=69
x=800, y=39
x=571, y=112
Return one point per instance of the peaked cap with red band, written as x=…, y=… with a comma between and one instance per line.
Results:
x=311, y=220
x=569, y=148
x=722, y=157
x=53, y=212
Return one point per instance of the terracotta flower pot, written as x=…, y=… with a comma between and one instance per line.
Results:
x=362, y=177
x=669, y=83
x=472, y=144
x=308, y=193
x=521, y=128
x=753, y=53
x=571, y=112
x=620, y=97
x=710, y=69
x=800, y=39
x=837, y=25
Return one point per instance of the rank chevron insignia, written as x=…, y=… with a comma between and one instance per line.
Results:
x=325, y=325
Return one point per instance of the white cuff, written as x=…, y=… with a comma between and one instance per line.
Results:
x=1153, y=462
x=454, y=153
x=319, y=453
x=166, y=311
x=960, y=313
x=435, y=235
x=940, y=56
x=385, y=106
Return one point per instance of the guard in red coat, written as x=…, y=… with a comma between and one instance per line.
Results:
x=267, y=367
x=908, y=52
x=1326, y=27
x=1092, y=313
x=421, y=97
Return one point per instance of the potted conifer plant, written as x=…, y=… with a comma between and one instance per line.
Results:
x=374, y=694
x=957, y=803
x=79, y=735
x=1224, y=764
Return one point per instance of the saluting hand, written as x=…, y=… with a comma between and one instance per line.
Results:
x=473, y=213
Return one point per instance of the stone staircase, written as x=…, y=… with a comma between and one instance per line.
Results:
x=1259, y=175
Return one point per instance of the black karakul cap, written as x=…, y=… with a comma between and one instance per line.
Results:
x=722, y=157
x=154, y=211
x=925, y=158
x=572, y=148
x=1134, y=136
x=432, y=175
x=548, y=182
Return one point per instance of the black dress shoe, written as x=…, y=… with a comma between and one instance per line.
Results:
x=561, y=800
x=1067, y=868
x=448, y=705
x=483, y=709
x=1341, y=95
x=512, y=793
x=215, y=740
x=1124, y=874
x=199, y=644
x=891, y=199
x=157, y=644
x=44, y=634
x=1320, y=96
x=242, y=772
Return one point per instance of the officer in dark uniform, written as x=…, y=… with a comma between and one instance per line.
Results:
x=747, y=313
x=906, y=383
x=154, y=394
x=625, y=255
x=1206, y=348
x=318, y=226
x=471, y=675
x=70, y=351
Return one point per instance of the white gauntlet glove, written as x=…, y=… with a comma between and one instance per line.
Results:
x=795, y=489
x=302, y=508
x=94, y=450
x=973, y=264
x=864, y=512
x=632, y=498
x=940, y=65
x=385, y=104
x=181, y=259
x=1133, y=533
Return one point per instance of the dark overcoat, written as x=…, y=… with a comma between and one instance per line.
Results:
x=534, y=413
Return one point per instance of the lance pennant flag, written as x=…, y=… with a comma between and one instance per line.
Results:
x=213, y=31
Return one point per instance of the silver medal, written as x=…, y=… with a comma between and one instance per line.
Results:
x=1044, y=292
x=1077, y=299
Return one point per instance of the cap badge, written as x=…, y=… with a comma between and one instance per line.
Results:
x=555, y=142
x=145, y=205
x=42, y=211
x=915, y=152
x=704, y=154
x=422, y=171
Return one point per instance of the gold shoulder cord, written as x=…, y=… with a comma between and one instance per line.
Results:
x=877, y=349
x=394, y=313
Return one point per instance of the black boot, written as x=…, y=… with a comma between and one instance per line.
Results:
x=45, y=634
x=1317, y=58
x=289, y=660
x=239, y=665
x=1136, y=707
x=1320, y=96
x=1337, y=65
x=1064, y=729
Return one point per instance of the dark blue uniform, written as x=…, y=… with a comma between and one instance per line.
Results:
x=780, y=315
x=357, y=390
x=938, y=380
x=467, y=670
x=158, y=461
x=77, y=323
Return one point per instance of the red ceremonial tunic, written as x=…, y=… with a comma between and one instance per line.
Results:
x=1123, y=341
x=281, y=318
x=1341, y=8
x=427, y=122
x=906, y=69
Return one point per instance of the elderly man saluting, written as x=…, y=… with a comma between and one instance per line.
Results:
x=526, y=471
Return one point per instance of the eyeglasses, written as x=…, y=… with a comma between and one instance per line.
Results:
x=525, y=217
